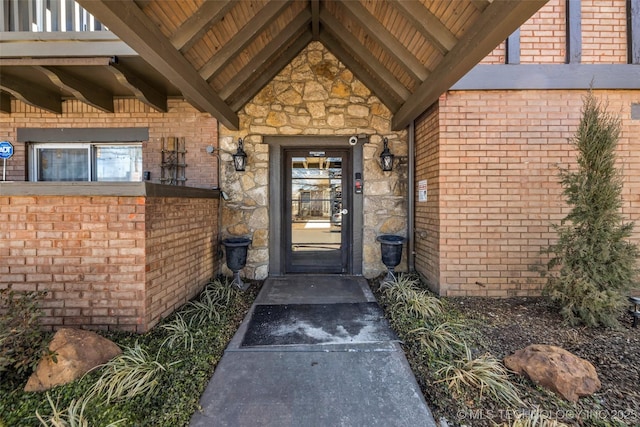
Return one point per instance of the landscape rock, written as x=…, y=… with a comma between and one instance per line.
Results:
x=76, y=353
x=556, y=369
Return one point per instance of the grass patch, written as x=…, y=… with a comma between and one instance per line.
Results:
x=178, y=385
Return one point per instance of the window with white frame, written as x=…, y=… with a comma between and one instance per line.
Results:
x=86, y=162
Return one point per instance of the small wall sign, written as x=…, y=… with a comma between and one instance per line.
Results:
x=422, y=190
x=6, y=150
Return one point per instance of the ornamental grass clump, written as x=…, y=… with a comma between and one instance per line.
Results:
x=180, y=332
x=71, y=416
x=439, y=339
x=593, y=262
x=130, y=374
x=479, y=377
x=214, y=299
x=407, y=300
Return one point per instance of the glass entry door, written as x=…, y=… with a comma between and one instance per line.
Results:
x=317, y=211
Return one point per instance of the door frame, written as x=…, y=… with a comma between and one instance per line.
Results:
x=314, y=262
x=277, y=145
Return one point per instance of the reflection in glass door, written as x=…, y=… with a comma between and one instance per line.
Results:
x=316, y=212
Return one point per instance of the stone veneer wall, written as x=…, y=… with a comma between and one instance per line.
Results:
x=314, y=95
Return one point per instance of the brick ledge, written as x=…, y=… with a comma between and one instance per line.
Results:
x=104, y=189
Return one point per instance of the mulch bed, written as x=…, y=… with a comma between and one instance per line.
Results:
x=507, y=325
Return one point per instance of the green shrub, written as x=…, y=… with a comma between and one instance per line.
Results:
x=22, y=343
x=596, y=261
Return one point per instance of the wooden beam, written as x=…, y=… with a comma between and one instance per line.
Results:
x=361, y=73
x=362, y=55
x=81, y=44
x=55, y=62
x=31, y=94
x=208, y=15
x=376, y=31
x=143, y=91
x=315, y=18
x=499, y=19
x=267, y=54
x=246, y=35
x=427, y=24
x=86, y=92
x=481, y=5
x=5, y=103
x=513, y=48
x=573, y=17
x=142, y=4
x=268, y=74
x=633, y=31
x=126, y=20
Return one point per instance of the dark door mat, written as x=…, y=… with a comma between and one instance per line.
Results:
x=299, y=324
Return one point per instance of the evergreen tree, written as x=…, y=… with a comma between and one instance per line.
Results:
x=597, y=263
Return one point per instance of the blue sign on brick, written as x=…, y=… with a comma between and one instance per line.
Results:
x=6, y=150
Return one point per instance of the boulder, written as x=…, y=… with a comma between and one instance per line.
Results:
x=76, y=353
x=556, y=369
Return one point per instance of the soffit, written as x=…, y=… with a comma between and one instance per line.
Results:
x=219, y=54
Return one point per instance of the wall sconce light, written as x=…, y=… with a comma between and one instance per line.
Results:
x=386, y=158
x=240, y=157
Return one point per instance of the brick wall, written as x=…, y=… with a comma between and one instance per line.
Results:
x=181, y=242
x=543, y=36
x=86, y=252
x=499, y=190
x=182, y=120
x=604, y=32
x=427, y=214
x=108, y=262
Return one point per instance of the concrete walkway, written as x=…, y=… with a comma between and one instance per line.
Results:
x=313, y=351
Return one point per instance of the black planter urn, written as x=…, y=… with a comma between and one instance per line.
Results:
x=236, y=252
x=391, y=250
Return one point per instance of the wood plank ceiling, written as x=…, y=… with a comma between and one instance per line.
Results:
x=219, y=54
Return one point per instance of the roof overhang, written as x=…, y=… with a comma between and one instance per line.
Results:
x=219, y=54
